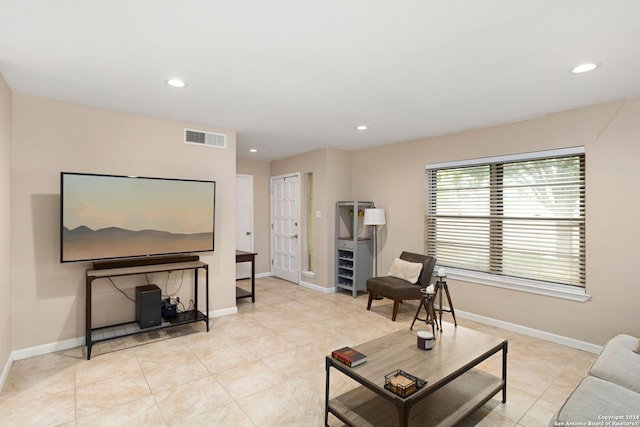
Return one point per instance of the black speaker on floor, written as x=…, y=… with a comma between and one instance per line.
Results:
x=148, y=306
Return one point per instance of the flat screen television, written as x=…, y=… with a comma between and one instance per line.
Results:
x=109, y=216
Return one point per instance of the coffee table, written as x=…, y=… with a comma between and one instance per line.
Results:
x=453, y=390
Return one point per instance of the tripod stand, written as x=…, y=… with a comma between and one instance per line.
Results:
x=441, y=286
x=427, y=303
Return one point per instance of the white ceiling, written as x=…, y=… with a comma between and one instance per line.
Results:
x=294, y=75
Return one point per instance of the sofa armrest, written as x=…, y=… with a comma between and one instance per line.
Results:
x=594, y=399
x=618, y=363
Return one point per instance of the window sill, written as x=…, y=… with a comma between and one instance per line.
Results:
x=522, y=285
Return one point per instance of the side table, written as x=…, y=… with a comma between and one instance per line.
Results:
x=441, y=286
x=427, y=303
x=242, y=256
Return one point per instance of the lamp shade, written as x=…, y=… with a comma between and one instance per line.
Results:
x=374, y=217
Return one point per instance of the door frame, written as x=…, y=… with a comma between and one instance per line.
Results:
x=271, y=215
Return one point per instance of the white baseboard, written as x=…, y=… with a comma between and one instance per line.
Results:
x=80, y=341
x=258, y=276
x=37, y=351
x=71, y=343
x=5, y=371
x=48, y=348
x=223, y=312
x=314, y=287
x=536, y=333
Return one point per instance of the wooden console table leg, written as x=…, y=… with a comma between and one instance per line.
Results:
x=206, y=281
x=195, y=288
x=253, y=279
x=88, y=341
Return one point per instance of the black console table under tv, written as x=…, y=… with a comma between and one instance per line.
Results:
x=130, y=268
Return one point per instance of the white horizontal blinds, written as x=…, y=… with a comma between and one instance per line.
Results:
x=524, y=219
x=458, y=219
x=544, y=220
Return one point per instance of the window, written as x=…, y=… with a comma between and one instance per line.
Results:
x=514, y=216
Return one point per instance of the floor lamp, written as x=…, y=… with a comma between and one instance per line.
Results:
x=374, y=217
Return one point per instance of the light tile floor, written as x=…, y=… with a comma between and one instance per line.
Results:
x=263, y=366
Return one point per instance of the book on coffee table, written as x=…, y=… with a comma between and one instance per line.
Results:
x=349, y=356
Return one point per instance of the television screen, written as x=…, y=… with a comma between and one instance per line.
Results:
x=109, y=216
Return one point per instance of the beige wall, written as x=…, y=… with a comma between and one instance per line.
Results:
x=393, y=176
x=6, y=113
x=259, y=169
x=50, y=137
x=331, y=170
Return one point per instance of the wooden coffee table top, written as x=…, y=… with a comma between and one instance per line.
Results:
x=454, y=352
x=454, y=388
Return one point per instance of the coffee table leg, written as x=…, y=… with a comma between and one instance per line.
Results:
x=403, y=414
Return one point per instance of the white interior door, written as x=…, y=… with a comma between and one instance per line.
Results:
x=285, y=220
x=244, y=221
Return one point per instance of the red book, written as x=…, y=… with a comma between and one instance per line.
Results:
x=349, y=356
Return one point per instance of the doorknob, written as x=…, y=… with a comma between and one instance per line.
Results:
x=248, y=233
x=295, y=236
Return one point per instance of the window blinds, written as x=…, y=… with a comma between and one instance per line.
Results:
x=523, y=219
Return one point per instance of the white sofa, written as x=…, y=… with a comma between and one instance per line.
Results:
x=610, y=393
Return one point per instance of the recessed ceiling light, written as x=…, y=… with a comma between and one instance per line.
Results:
x=253, y=150
x=362, y=127
x=176, y=83
x=583, y=68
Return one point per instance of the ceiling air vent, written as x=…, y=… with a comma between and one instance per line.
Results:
x=207, y=139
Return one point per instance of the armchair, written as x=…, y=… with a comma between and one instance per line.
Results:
x=399, y=289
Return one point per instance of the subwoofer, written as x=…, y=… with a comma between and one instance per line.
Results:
x=148, y=306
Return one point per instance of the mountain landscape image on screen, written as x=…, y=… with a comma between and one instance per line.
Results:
x=113, y=216
x=84, y=243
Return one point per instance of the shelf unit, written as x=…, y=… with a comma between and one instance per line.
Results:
x=120, y=330
x=354, y=253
